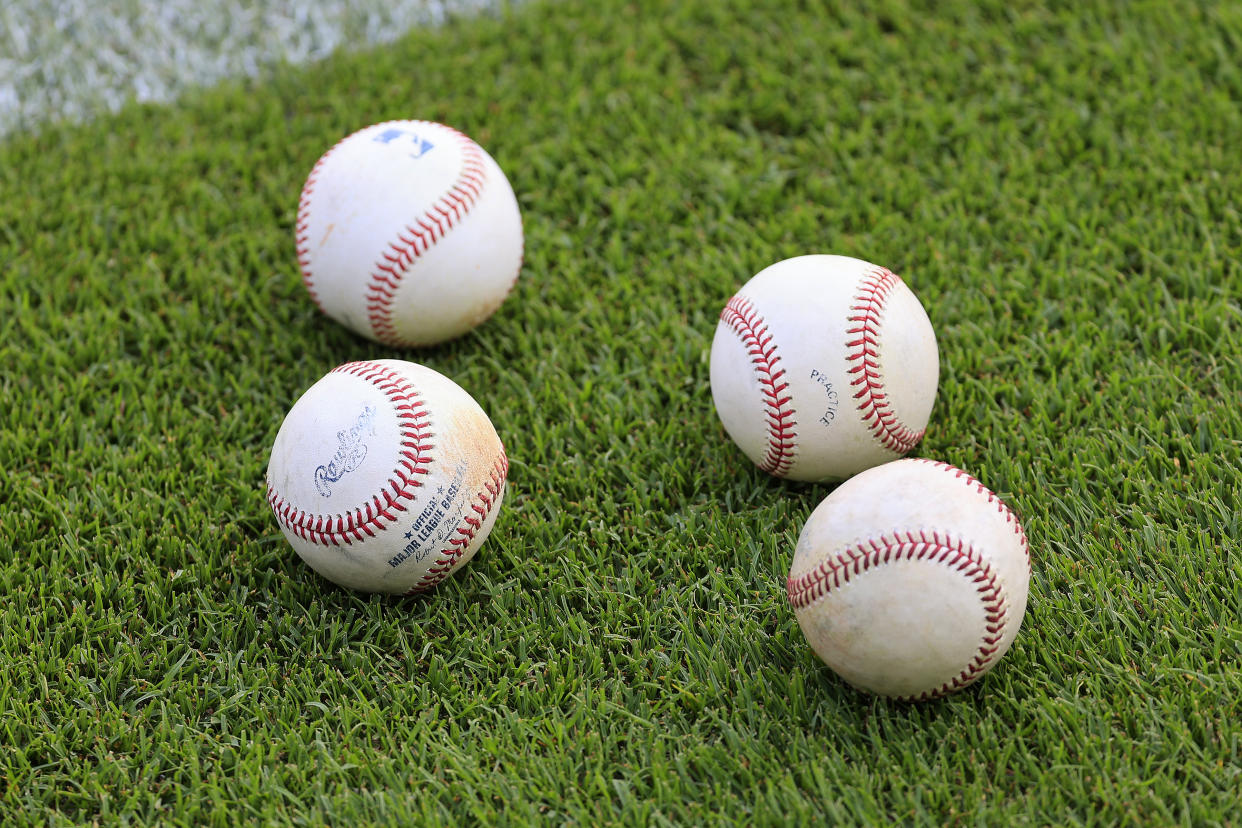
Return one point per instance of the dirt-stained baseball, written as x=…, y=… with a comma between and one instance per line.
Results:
x=823, y=366
x=408, y=233
x=386, y=476
x=910, y=580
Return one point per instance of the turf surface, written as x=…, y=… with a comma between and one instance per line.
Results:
x=1058, y=185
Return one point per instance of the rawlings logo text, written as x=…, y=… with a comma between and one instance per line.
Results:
x=349, y=454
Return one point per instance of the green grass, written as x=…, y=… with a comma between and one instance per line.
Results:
x=1059, y=186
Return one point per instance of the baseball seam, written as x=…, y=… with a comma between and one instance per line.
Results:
x=380, y=510
x=742, y=318
x=837, y=571
x=419, y=236
x=992, y=499
x=872, y=400
x=461, y=537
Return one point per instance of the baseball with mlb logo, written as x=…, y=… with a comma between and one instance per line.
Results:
x=386, y=476
x=408, y=233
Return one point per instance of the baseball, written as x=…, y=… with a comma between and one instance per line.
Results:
x=408, y=233
x=823, y=366
x=386, y=476
x=910, y=579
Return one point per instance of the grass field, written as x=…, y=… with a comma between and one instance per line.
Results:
x=1059, y=185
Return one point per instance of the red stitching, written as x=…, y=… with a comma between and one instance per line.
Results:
x=413, y=459
x=992, y=499
x=740, y=315
x=419, y=236
x=463, y=535
x=833, y=573
x=873, y=402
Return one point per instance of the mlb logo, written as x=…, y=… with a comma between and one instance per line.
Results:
x=418, y=146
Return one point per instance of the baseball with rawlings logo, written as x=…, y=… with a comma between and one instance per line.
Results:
x=408, y=233
x=910, y=580
x=823, y=366
x=386, y=476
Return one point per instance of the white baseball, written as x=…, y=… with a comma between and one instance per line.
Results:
x=823, y=366
x=386, y=476
x=910, y=579
x=408, y=233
